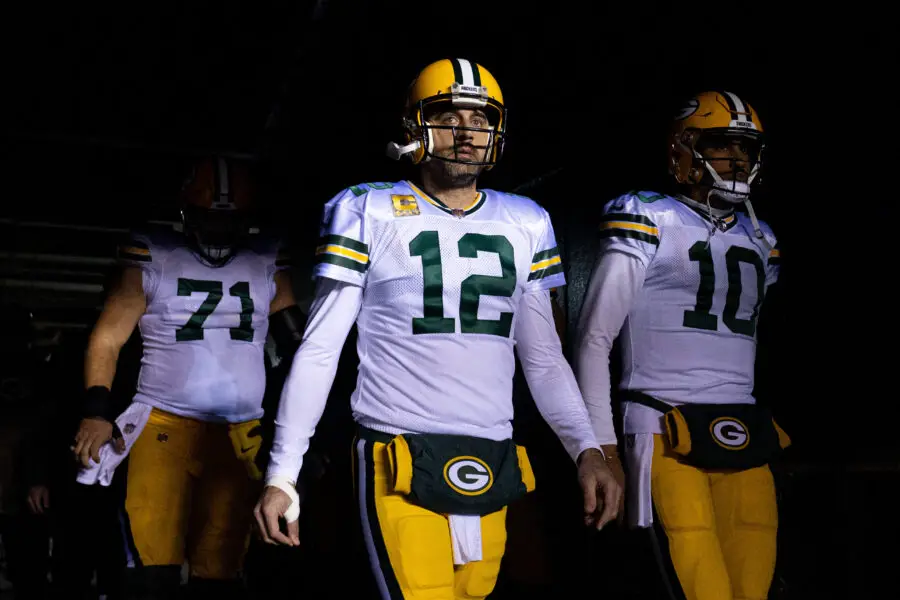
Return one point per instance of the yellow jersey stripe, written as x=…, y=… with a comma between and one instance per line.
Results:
x=632, y=226
x=546, y=263
x=340, y=251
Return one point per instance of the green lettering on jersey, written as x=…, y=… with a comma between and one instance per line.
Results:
x=193, y=329
x=700, y=317
x=649, y=198
x=359, y=190
x=733, y=259
x=475, y=286
x=427, y=245
x=244, y=332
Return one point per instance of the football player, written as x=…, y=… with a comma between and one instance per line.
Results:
x=205, y=298
x=680, y=279
x=442, y=280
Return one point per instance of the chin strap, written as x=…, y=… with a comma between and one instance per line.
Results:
x=756, y=228
x=717, y=214
x=739, y=193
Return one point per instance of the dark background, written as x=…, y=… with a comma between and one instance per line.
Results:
x=104, y=108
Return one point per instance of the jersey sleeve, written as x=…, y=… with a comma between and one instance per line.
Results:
x=137, y=249
x=546, y=264
x=773, y=265
x=343, y=251
x=628, y=226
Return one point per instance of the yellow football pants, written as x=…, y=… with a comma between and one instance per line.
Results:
x=721, y=527
x=409, y=547
x=189, y=496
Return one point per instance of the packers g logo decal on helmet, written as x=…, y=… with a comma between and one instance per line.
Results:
x=730, y=433
x=689, y=108
x=468, y=475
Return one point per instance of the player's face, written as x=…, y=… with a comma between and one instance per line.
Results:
x=457, y=140
x=729, y=156
x=461, y=142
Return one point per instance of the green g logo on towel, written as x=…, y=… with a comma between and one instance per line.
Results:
x=468, y=475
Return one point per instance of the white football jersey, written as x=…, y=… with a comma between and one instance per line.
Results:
x=204, y=329
x=690, y=336
x=437, y=323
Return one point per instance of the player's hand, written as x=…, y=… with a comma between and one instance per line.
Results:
x=615, y=465
x=38, y=499
x=269, y=511
x=92, y=434
x=602, y=494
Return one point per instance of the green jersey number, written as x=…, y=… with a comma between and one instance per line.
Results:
x=700, y=317
x=427, y=246
x=193, y=329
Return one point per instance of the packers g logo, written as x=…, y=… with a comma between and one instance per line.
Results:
x=689, y=108
x=729, y=433
x=468, y=475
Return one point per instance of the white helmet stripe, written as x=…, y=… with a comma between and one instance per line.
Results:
x=741, y=112
x=223, y=179
x=467, y=75
x=223, y=197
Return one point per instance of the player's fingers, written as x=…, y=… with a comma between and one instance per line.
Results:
x=589, y=490
x=78, y=447
x=85, y=453
x=261, y=525
x=96, y=444
x=294, y=532
x=610, y=505
x=31, y=505
x=271, y=517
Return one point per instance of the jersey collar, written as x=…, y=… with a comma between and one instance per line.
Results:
x=723, y=221
x=476, y=204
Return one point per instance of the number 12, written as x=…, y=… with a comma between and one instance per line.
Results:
x=427, y=245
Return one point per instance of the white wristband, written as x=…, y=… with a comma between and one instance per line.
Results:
x=287, y=486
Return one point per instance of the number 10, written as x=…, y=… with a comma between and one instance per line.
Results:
x=700, y=317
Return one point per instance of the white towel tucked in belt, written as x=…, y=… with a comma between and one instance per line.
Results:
x=465, y=537
x=639, y=458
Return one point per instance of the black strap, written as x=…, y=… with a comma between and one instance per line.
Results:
x=286, y=327
x=650, y=401
x=97, y=403
x=370, y=435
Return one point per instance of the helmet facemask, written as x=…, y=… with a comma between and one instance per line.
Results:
x=216, y=209
x=215, y=234
x=419, y=129
x=691, y=165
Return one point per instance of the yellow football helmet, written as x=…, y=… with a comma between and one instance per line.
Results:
x=712, y=118
x=463, y=84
